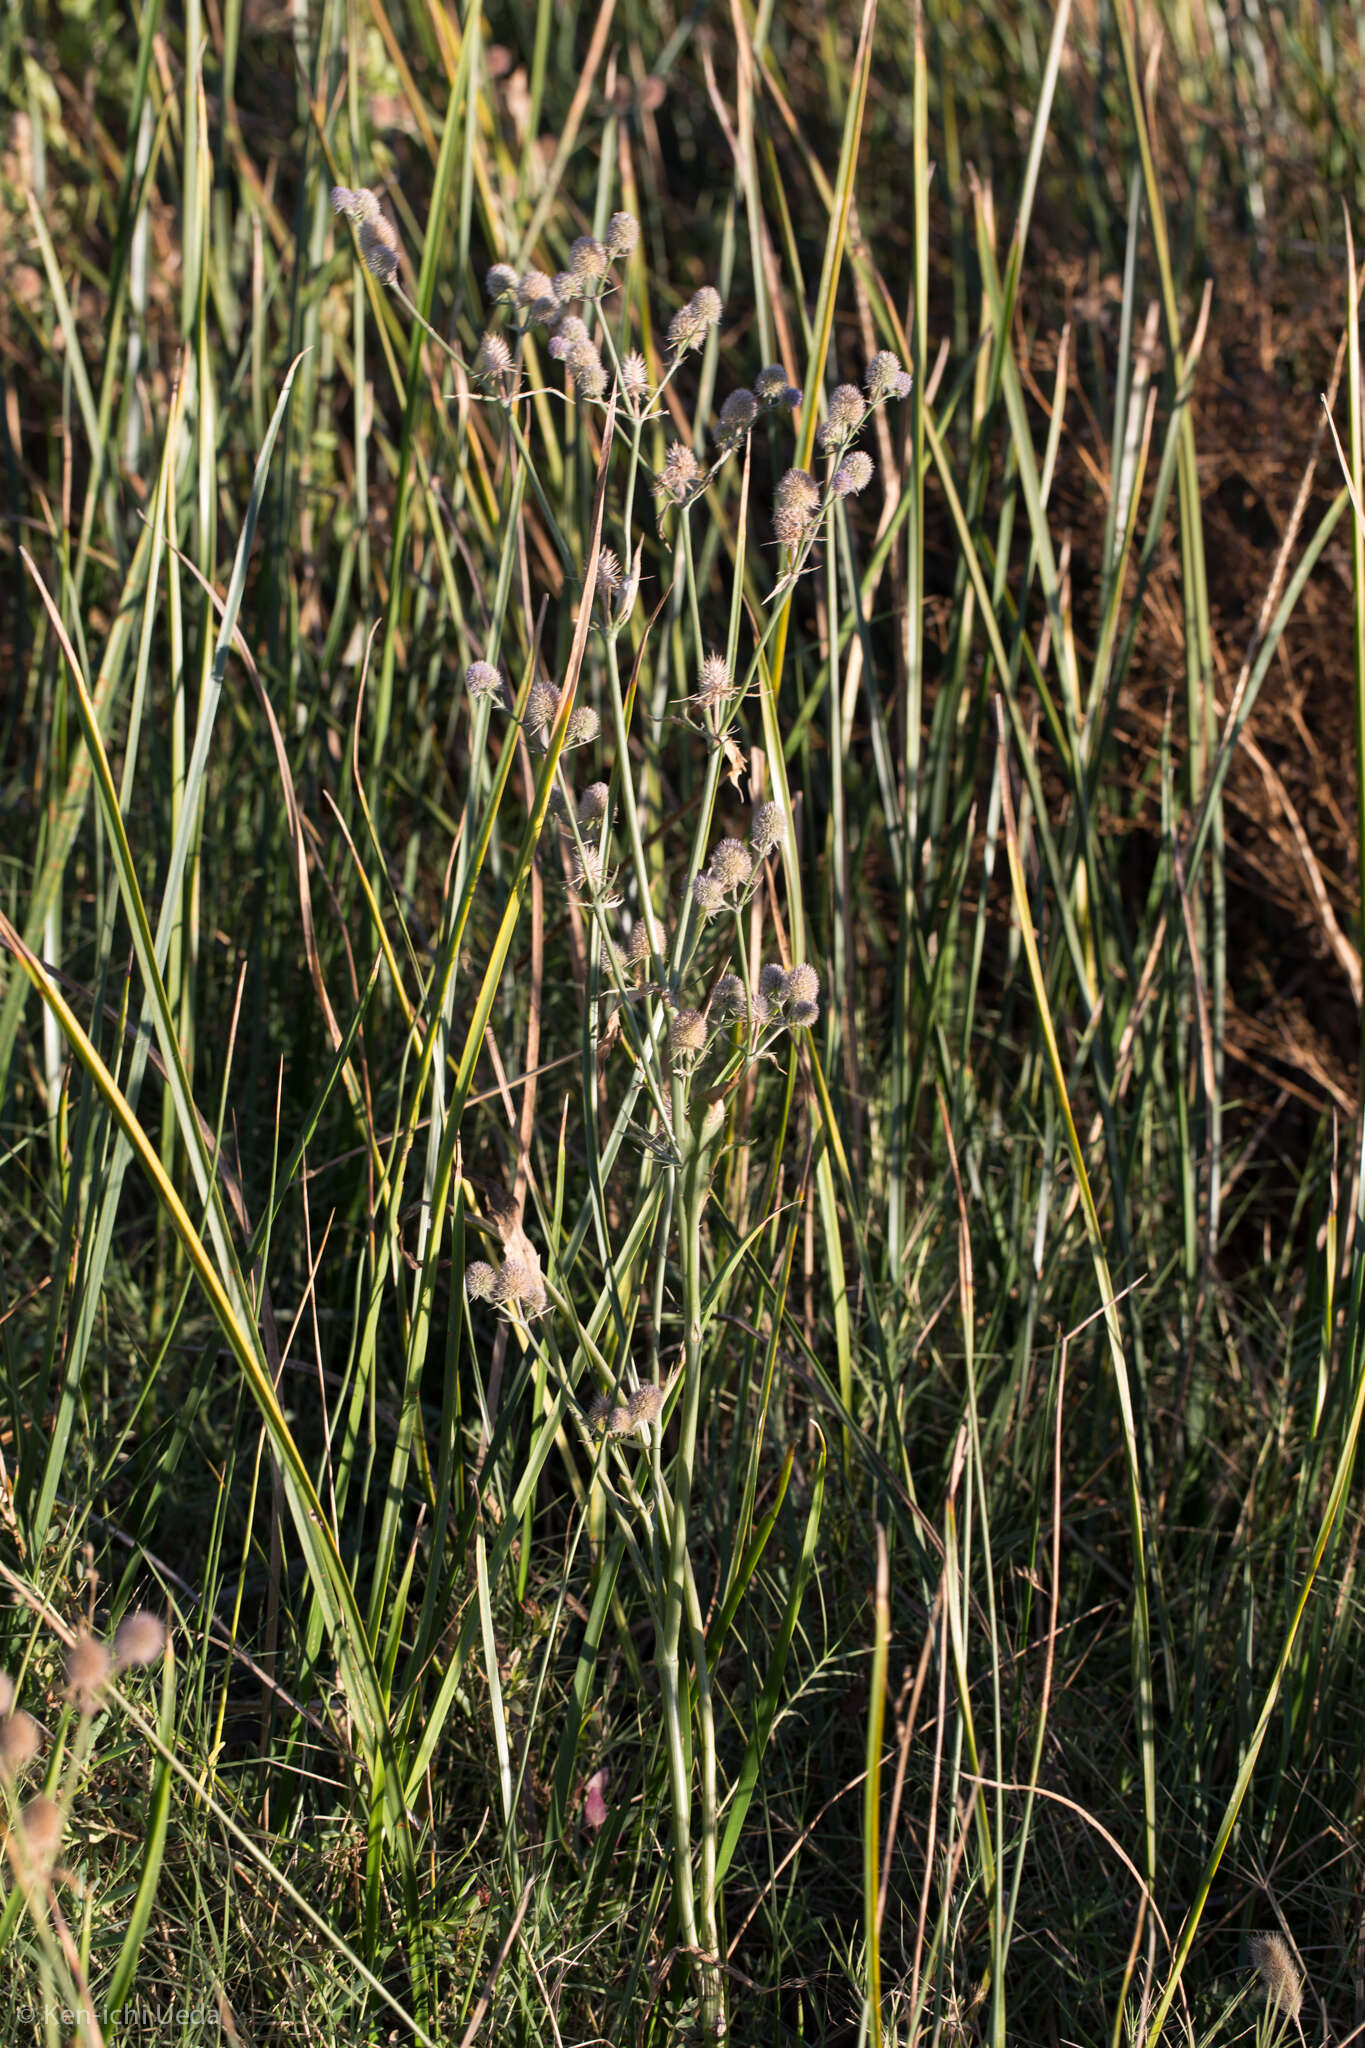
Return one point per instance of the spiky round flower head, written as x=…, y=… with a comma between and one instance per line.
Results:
x=533, y=288
x=853, y=474
x=623, y=232
x=139, y=1640
x=794, y=506
x=40, y=1833
x=886, y=379
x=584, y=726
x=357, y=206
x=566, y=287
x=708, y=895
x=19, y=1743
x=566, y=337
x=727, y=996
x=770, y=980
x=681, y=476
x=378, y=242
x=767, y=829
x=691, y=323
x=760, y=1009
x=587, y=871
x=731, y=864
x=687, y=1034
x=644, y=1406
x=638, y=947
x=480, y=1280
x=771, y=385
x=542, y=702
x=600, y=1413
x=589, y=375
x=88, y=1664
x=592, y=804
x=800, y=985
x=519, y=1285
x=635, y=377
x=1274, y=1964
x=501, y=282
x=588, y=261
x=481, y=679
x=847, y=410
x=715, y=683
x=737, y=415
x=493, y=363
x=609, y=573
x=803, y=1015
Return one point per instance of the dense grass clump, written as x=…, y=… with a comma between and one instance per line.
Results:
x=681, y=1292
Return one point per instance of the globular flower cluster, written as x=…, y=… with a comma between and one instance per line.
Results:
x=793, y=992
x=687, y=1035
x=682, y=476
x=737, y=415
x=799, y=501
x=545, y=301
x=629, y=1417
x=375, y=235
x=514, y=1286
x=795, y=506
x=692, y=322
x=772, y=388
x=481, y=679
x=715, y=684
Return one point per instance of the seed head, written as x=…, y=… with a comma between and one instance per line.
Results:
x=794, y=506
x=767, y=829
x=480, y=1281
x=40, y=1832
x=501, y=282
x=638, y=947
x=737, y=415
x=732, y=864
x=803, y=1015
x=623, y=232
x=494, y=360
x=886, y=379
x=708, y=895
x=87, y=1667
x=691, y=323
x=801, y=985
x=592, y=804
x=853, y=474
x=584, y=726
x=687, y=1034
x=727, y=996
x=600, y=1412
x=1278, y=1972
x=542, y=702
x=481, y=679
x=635, y=377
x=760, y=1009
x=139, y=1640
x=770, y=979
x=19, y=1743
x=714, y=684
